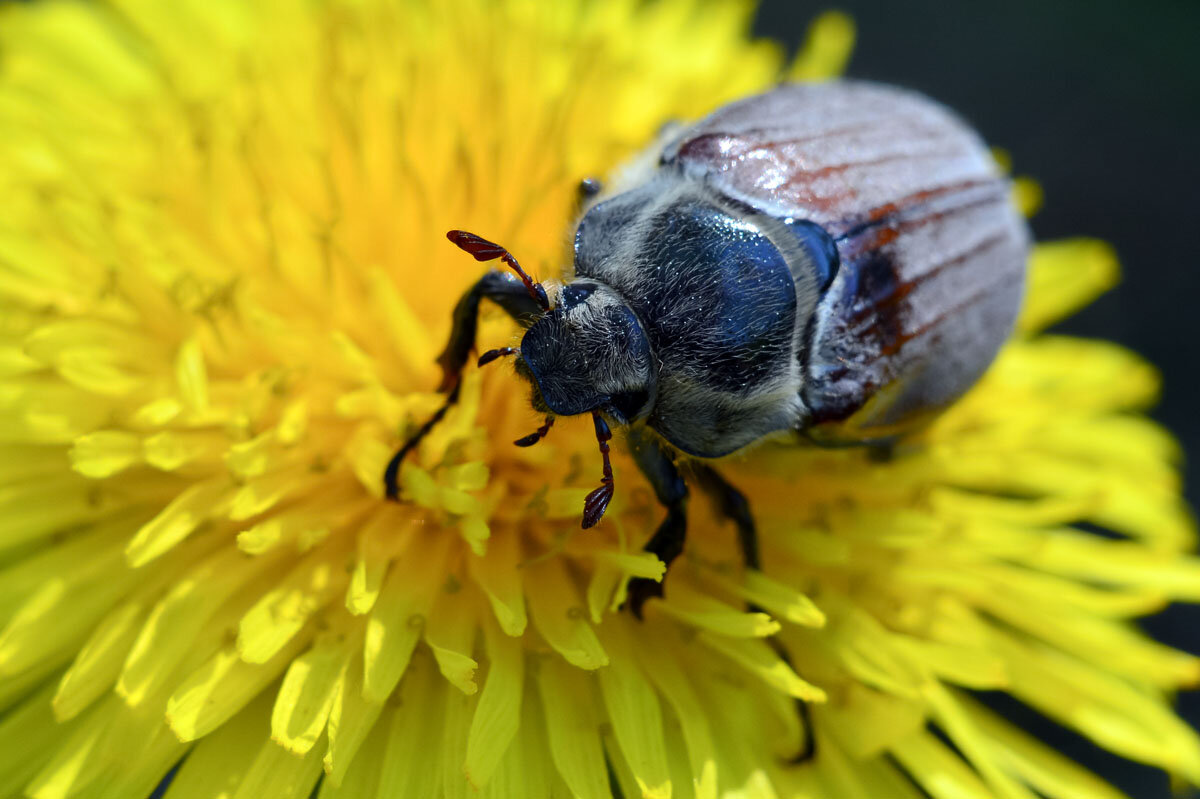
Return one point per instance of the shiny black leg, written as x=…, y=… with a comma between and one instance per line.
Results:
x=667, y=541
x=502, y=288
x=733, y=505
x=391, y=475
x=810, y=735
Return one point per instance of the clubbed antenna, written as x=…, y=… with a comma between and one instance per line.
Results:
x=484, y=250
x=597, y=501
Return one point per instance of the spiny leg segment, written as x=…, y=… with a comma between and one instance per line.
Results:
x=597, y=502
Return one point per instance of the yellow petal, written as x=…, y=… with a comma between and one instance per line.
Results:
x=1063, y=277
x=276, y=772
x=936, y=769
x=105, y=453
x=959, y=726
x=499, y=577
x=72, y=768
x=669, y=677
x=759, y=659
x=306, y=696
x=411, y=765
x=362, y=777
x=568, y=697
x=284, y=610
x=191, y=375
x=51, y=618
x=220, y=761
x=633, y=709
x=498, y=713
x=350, y=721
x=399, y=616
x=1035, y=762
x=456, y=715
x=704, y=612
x=560, y=619
x=384, y=536
x=171, y=629
x=826, y=49
x=99, y=661
x=221, y=687
x=27, y=737
x=866, y=722
x=1116, y=714
x=178, y=520
x=786, y=603
x=450, y=635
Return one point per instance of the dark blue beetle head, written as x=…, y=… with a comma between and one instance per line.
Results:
x=590, y=353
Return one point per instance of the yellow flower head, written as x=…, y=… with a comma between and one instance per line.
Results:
x=223, y=284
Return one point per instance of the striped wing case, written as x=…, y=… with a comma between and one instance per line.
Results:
x=932, y=252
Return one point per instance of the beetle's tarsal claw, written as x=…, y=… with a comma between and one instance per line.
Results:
x=595, y=505
x=597, y=501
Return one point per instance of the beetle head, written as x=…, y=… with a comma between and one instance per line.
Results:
x=586, y=353
x=589, y=353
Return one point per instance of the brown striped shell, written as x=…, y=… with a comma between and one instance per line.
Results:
x=932, y=252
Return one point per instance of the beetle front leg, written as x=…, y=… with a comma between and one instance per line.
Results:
x=502, y=288
x=509, y=293
x=667, y=542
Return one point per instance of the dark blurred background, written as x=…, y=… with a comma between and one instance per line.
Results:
x=1099, y=101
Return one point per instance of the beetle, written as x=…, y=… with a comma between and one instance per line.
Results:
x=837, y=260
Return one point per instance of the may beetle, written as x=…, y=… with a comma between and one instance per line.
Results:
x=841, y=260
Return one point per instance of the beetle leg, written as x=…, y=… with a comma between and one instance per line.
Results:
x=733, y=505
x=597, y=501
x=502, y=288
x=391, y=484
x=672, y=492
x=881, y=451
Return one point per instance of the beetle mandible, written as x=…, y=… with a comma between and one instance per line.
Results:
x=838, y=259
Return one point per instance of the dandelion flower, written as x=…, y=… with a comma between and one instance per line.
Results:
x=223, y=282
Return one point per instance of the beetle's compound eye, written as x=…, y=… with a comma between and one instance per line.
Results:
x=629, y=404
